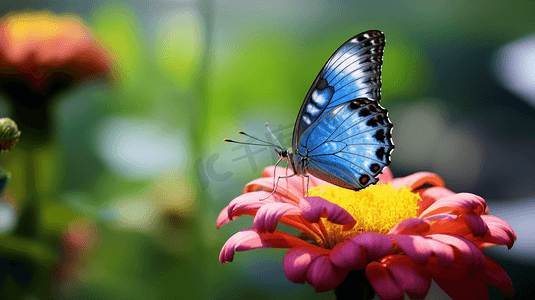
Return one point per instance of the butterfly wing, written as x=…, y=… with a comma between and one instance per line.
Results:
x=353, y=71
x=349, y=145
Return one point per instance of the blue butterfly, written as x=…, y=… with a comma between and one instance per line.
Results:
x=342, y=135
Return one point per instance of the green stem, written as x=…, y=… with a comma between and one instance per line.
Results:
x=30, y=217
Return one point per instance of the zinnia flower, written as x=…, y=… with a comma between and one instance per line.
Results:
x=42, y=54
x=41, y=46
x=400, y=233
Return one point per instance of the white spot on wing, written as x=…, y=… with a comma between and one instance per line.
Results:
x=312, y=110
x=319, y=98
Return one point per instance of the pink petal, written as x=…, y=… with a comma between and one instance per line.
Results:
x=287, y=189
x=436, y=193
x=443, y=252
x=376, y=245
x=299, y=223
x=416, y=180
x=477, y=226
x=382, y=282
x=249, y=239
x=222, y=219
x=243, y=204
x=410, y=277
x=267, y=216
x=349, y=255
x=499, y=233
x=440, y=217
x=270, y=172
x=313, y=208
x=498, y=224
x=430, y=196
x=415, y=246
x=297, y=260
x=385, y=176
x=474, y=258
x=323, y=276
x=410, y=226
x=458, y=203
x=455, y=226
x=494, y=275
x=419, y=248
x=471, y=222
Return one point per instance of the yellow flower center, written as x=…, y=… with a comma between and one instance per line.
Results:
x=377, y=208
x=43, y=26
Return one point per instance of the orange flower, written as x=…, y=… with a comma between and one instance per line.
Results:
x=400, y=232
x=40, y=46
x=42, y=54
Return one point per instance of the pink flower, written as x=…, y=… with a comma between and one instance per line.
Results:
x=400, y=232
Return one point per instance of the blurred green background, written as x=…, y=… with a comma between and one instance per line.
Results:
x=139, y=167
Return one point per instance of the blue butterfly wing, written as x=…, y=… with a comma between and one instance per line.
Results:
x=353, y=71
x=349, y=145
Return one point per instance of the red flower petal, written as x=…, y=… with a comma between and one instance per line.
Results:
x=349, y=255
x=376, y=245
x=430, y=196
x=499, y=233
x=313, y=208
x=456, y=282
x=280, y=171
x=436, y=193
x=416, y=180
x=268, y=215
x=462, y=225
x=382, y=282
x=415, y=246
x=244, y=204
x=287, y=189
x=474, y=258
x=458, y=204
x=411, y=226
x=420, y=249
x=456, y=226
x=249, y=239
x=440, y=217
x=410, y=277
x=297, y=260
x=323, y=275
x=477, y=226
x=494, y=275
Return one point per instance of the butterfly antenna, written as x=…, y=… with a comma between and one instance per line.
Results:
x=245, y=143
x=257, y=139
x=269, y=129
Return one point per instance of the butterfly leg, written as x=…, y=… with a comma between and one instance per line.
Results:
x=276, y=185
x=308, y=183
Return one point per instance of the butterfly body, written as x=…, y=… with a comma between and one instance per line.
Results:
x=342, y=135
